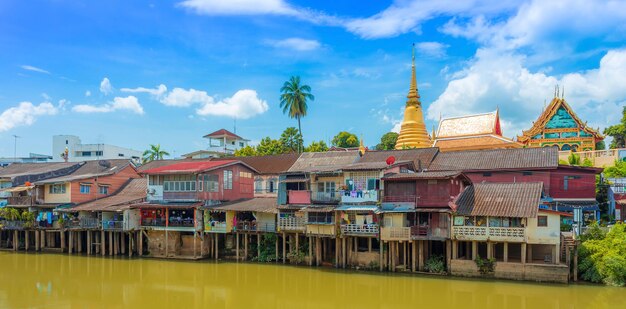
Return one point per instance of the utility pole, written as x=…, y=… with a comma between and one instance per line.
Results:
x=15, y=147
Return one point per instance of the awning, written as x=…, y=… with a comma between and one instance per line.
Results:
x=372, y=208
x=292, y=180
x=17, y=189
x=168, y=205
x=318, y=209
x=398, y=207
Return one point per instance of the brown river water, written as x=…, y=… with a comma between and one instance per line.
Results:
x=62, y=281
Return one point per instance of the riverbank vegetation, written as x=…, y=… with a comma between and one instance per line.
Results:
x=602, y=255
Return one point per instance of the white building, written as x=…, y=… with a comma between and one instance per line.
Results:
x=221, y=143
x=77, y=151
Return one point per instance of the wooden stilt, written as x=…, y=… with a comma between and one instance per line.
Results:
x=420, y=260
x=140, y=244
x=284, y=249
x=123, y=243
x=16, y=241
x=103, y=240
x=380, y=255
x=258, y=245
x=318, y=249
x=237, y=245
x=276, y=248
x=245, y=246
x=194, y=244
x=43, y=239
x=26, y=240
x=343, y=252
x=310, y=251
x=88, y=242
x=130, y=245
x=70, y=249
x=217, y=246
x=414, y=256
x=575, y=262
x=37, y=241
x=80, y=241
x=111, y=243
x=448, y=253
x=506, y=252
x=523, y=257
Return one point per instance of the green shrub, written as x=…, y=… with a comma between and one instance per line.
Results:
x=435, y=264
x=602, y=255
x=268, y=248
x=485, y=266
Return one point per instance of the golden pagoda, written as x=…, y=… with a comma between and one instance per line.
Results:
x=413, y=132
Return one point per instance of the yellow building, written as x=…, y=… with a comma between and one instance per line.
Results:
x=559, y=126
x=413, y=132
x=472, y=132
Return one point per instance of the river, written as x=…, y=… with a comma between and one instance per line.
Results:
x=62, y=281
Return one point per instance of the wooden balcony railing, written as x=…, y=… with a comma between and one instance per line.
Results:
x=489, y=233
x=250, y=226
x=20, y=200
x=13, y=225
x=83, y=223
x=291, y=223
x=426, y=231
x=181, y=222
x=359, y=229
x=215, y=227
x=153, y=222
x=395, y=233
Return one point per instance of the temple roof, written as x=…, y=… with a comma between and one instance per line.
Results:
x=478, y=142
x=546, y=116
x=487, y=123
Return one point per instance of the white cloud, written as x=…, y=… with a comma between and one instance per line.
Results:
x=297, y=44
x=87, y=93
x=157, y=92
x=239, y=7
x=182, y=98
x=243, y=104
x=24, y=114
x=432, y=49
x=129, y=103
x=34, y=69
x=502, y=79
x=105, y=86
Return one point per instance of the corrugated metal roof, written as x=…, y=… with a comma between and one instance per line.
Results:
x=318, y=209
x=478, y=160
x=133, y=192
x=518, y=200
x=267, y=165
x=257, y=204
x=423, y=175
x=21, y=169
x=91, y=169
x=421, y=157
x=373, y=208
x=188, y=167
x=309, y=162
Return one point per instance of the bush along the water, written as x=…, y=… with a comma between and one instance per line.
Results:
x=268, y=249
x=602, y=256
x=485, y=266
x=435, y=264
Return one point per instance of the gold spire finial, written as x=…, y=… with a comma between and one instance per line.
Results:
x=361, y=146
x=413, y=96
x=563, y=93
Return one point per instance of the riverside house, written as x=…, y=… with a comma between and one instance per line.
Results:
x=178, y=196
x=501, y=224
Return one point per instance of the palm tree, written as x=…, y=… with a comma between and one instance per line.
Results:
x=154, y=153
x=293, y=100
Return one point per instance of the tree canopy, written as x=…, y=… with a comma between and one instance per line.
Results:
x=316, y=147
x=345, y=140
x=387, y=141
x=603, y=255
x=293, y=100
x=618, y=132
x=154, y=153
x=291, y=139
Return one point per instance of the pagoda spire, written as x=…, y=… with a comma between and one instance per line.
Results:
x=413, y=133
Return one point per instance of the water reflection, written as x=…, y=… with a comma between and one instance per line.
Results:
x=95, y=282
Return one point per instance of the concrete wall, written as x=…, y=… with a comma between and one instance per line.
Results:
x=364, y=259
x=264, y=220
x=513, y=271
x=58, y=198
x=179, y=244
x=320, y=229
x=550, y=234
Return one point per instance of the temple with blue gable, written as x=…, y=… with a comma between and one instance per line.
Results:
x=559, y=126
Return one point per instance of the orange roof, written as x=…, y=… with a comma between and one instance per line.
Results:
x=188, y=167
x=223, y=133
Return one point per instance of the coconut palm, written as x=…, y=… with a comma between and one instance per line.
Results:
x=293, y=100
x=154, y=153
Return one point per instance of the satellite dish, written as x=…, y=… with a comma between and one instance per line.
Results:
x=104, y=163
x=391, y=160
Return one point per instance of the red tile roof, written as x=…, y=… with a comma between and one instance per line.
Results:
x=188, y=167
x=223, y=132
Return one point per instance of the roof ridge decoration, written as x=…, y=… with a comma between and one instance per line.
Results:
x=549, y=112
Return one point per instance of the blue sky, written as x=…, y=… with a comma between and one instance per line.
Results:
x=132, y=73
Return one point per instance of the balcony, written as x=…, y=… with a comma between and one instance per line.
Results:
x=291, y=224
x=485, y=233
x=326, y=197
x=83, y=223
x=395, y=233
x=20, y=200
x=359, y=230
x=599, y=158
x=181, y=222
x=13, y=225
x=113, y=225
x=428, y=232
x=153, y=222
x=356, y=197
x=215, y=227
x=299, y=197
x=251, y=226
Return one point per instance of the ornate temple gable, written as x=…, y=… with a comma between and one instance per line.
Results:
x=559, y=125
x=487, y=123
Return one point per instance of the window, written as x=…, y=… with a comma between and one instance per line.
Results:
x=486, y=174
x=103, y=190
x=211, y=183
x=432, y=181
x=258, y=185
x=179, y=183
x=271, y=185
x=542, y=221
x=57, y=189
x=527, y=173
x=320, y=217
x=99, y=153
x=566, y=180
x=245, y=174
x=86, y=153
x=240, y=144
x=84, y=189
x=228, y=180
x=120, y=154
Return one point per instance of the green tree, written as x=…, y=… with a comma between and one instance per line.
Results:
x=345, y=140
x=293, y=100
x=291, y=139
x=601, y=145
x=573, y=159
x=154, y=153
x=616, y=171
x=602, y=256
x=317, y=147
x=269, y=146
x=388, y=141
x=245, y=151
x=618, y=132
